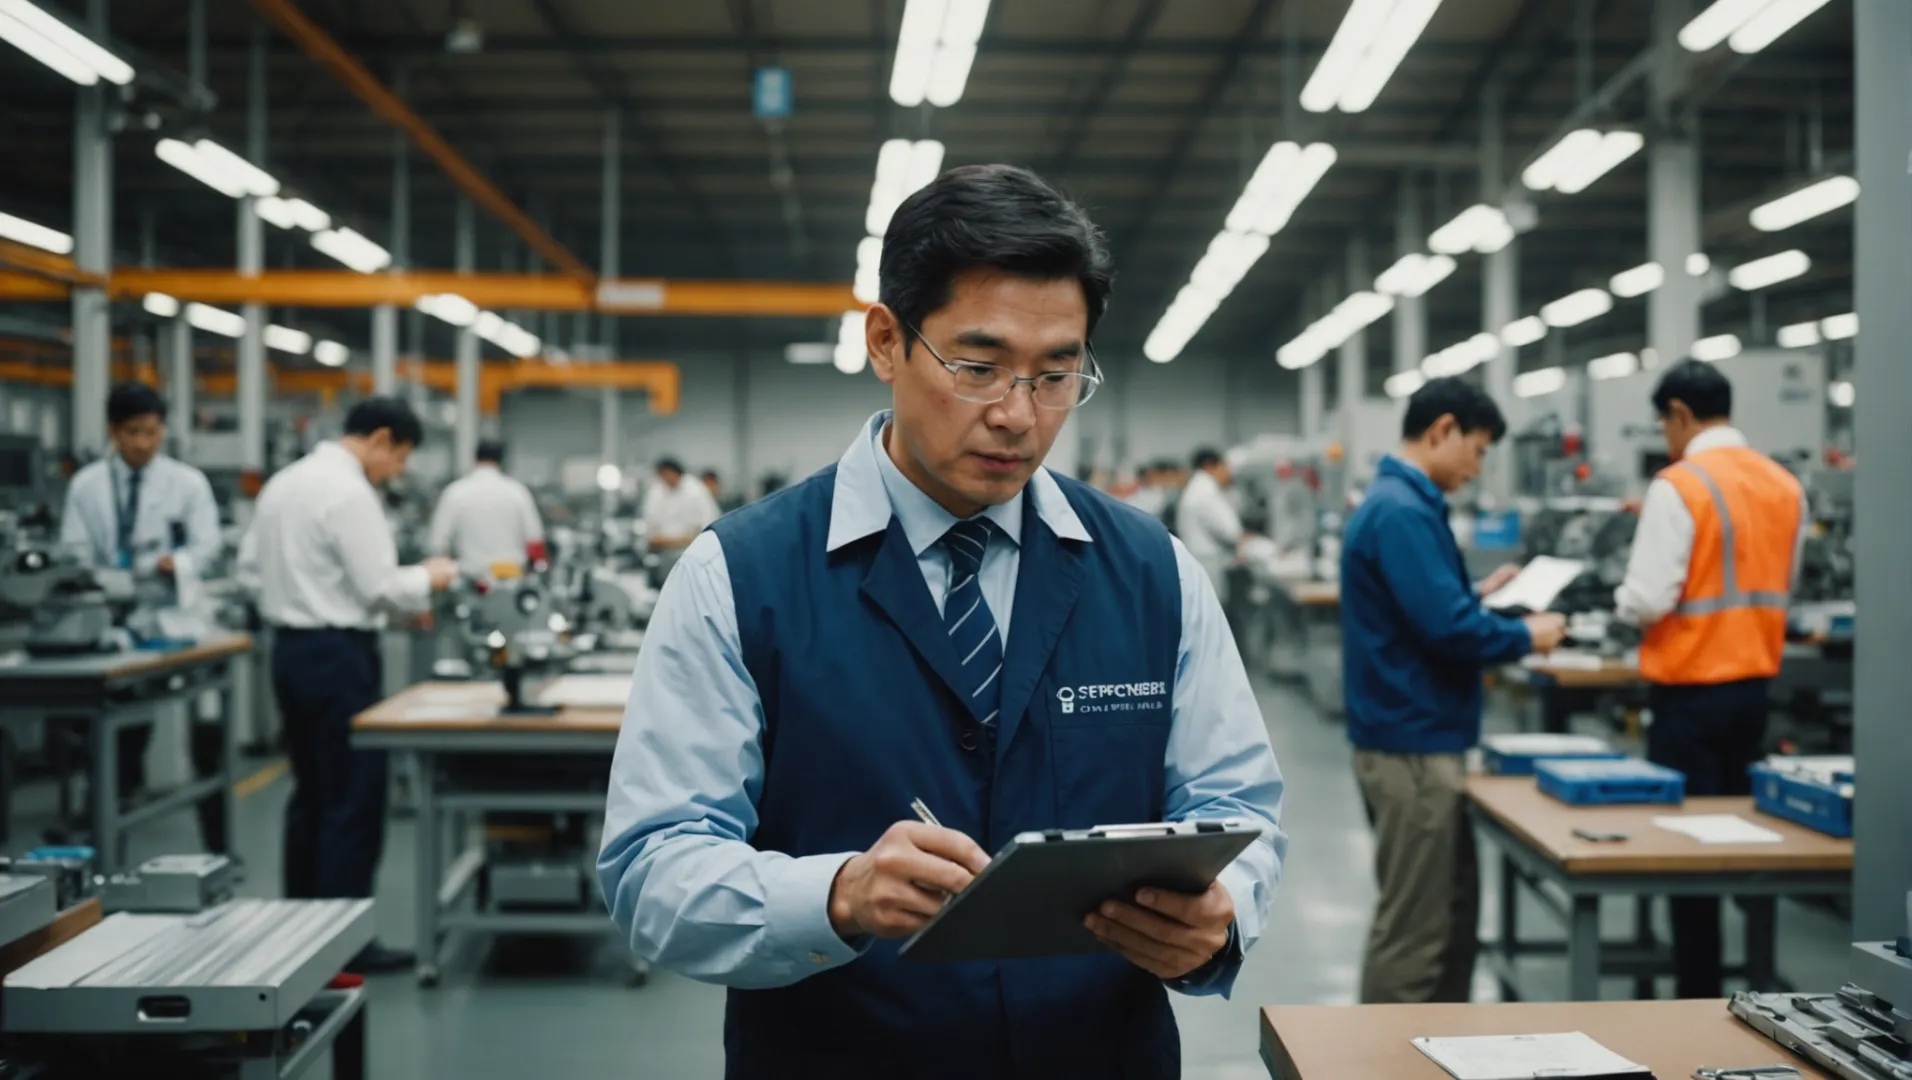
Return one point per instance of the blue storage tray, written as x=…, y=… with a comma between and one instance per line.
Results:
x=1516, y=755
x=1801, y=799
x=1600, y=783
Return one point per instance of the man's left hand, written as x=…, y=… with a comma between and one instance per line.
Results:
x=1498, y=580
x=1166, y=934
x=164, y=564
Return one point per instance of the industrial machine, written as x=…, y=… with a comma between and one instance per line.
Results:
x=50, y=602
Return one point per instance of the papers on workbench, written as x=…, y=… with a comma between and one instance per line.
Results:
x=1538, y=584
x=586, y=692
x=1718, y=829
x=1565, y=660
x=1526, y=1057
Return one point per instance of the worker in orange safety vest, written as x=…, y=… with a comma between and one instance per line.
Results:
x=1709, y=581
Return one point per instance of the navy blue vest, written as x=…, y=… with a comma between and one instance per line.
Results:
x=858, y=680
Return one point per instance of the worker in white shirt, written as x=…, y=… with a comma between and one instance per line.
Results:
x=1206, y=519
x=1709, y=579
x=676, y=507
x=140, y=510
x=485, y=517
x=328, y=574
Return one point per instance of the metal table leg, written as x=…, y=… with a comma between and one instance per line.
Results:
x=1583, y=950
x=103, y=792
x=1643, y=988
x=1762, y=942
x=1509, y=923
x=348, y=1050
x=229, y=749
x=428, y=828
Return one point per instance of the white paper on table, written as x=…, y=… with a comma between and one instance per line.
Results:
x=420, y=714
x=1718, y=829
x=1565, y=660
x=1525, y=1057
x=579, y=691
x=1538, y=584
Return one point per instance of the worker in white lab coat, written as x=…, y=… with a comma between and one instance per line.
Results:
x=485, y=518
x=1206, y=518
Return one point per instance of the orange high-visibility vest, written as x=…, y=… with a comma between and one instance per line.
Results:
x=1731, y=620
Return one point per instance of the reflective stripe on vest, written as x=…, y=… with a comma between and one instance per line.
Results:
x=1730, y=598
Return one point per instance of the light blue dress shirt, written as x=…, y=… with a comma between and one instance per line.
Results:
x=169, y=490
x=676, y=866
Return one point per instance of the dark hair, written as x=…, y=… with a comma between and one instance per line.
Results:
x=1700, y=386
x=989, y=217
x=492, y=450
x=1203, y=458
x=389, y=413
x=670, y=463
x=1469, y=405
x=130, y=399
x=710, y=474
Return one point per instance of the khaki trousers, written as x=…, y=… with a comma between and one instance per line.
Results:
x=1422, y=944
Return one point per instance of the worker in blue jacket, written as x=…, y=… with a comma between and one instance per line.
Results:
x=823, y=657
x=1415, y=641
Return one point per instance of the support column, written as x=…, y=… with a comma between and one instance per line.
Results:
x=1500, y=298
x=1882, y=682
x=610, y=219
x=252, y=251
x=467, y=359
x=1351, y=374
x=385, y=316
x=1673, y=192
x=92, y=252
x=1410, y=312
x=181, y=385
x=610, y=435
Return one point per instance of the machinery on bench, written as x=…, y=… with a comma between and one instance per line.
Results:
x=179, y=978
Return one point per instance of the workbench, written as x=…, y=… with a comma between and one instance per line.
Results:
x=457, y=740
x=109, y=692
x=1564, y=686
x=1307, y=644
x=1569, y=876
x=1673, y=1038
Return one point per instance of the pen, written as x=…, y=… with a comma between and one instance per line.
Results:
x=922, y=811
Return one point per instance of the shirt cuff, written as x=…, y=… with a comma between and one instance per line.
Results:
x=797, y=914
x=1218, y=975
x=414, y=588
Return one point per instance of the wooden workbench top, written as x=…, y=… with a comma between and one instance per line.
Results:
x=129, y=662
x=1612, y=674
x=1313, y=593
x=1673, y=1038
x=462, y=706
x=1547, y=824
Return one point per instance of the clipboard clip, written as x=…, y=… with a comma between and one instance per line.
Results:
x=1163, y=828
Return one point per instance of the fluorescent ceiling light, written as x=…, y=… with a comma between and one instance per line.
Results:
x=949, y=75
x=852, y=351
x=448, y=307
x=286, y=339
x=1716, y=348
x=1805, y=204
x=1697, y=264
x=1842, y=394
x=1414, y=274
x=215, y=320
x=902, y=167
x=1461, y=357
x=1540, y=382
x=1227, y=260
x=869, y=258
x=1840, y=327
x=32, y=234
x=1480, y=228
x=1523, y=332
x=1717, y=23
x=609, y=477
x=1638, y=281
x=250, y=178
x=331, y=353
x=1285, y=176
x=186, y=159
x=1371, y=42
x=1614, y=366
x=59, y=46
x=1766, y=27
x=1770, y=270
x=1576, y=308
x=935, y=47
x=352, y=249
x=1798, y=335
x=1348, y=318
x=158, y=303
x=809, y=352
x=1403, y=384
x=277, y=211
x=1571, y=165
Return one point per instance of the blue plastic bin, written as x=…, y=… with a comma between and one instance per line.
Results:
x=1602, y=783
x=1805, y=799
x=1516, y=754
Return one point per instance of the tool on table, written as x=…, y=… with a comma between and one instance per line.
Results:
x=1755, y=1072
x=180, y=884
x=1599, y=836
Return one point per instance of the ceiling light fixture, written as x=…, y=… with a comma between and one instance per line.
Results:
x=217, y=168
x=1366, y=49
x=449, y=308
x=286, y=339
x=1613, y=366
x=1480, y=228
x=1840, y=327
x=852, y=350
x=1414, y=274
x=1576, y=308
x=1581, y=157
x=1770, y=270
x=809, y=352
x=52, y=41
x=352, y=249
x=331, y=353
x=1461, y=357
x=935, y=47
x=1766, y=27
x=158, y=303
x=1523, y=332
x=215, y=320
x=1716, y=348
x=1327, y=333
x=1842, y=394
x=1539, y=382
x=1822, y=197
x=1403, y=384
x=869, y=259
x=1638, y=281
x=32, y=234
x=902, y=167
x=1697, y=264
x=1798, y=335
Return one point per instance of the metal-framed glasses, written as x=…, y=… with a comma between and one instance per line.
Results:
x=986, y=384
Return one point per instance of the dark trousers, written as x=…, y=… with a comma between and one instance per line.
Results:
x=335, y=821
x=1713, y=734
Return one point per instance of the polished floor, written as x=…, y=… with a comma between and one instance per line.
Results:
x=561, y=1009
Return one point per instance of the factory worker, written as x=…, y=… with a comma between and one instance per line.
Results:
x=1206, y=518
x=677, y=506
x=1709, y=580
x=485, y=517
x=927, y=619
x=328, y=575
x=140, y=510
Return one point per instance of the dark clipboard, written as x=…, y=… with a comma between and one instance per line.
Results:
x=1031, y=899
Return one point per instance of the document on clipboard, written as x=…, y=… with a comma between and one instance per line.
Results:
x=1537, y=586
x=1032, y=897
x=1569, y=1055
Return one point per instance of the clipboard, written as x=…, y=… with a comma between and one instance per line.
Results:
x=1031, y=899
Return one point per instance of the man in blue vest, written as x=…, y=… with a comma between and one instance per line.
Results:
x=825, y=656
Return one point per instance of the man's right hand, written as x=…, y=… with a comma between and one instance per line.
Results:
x=443, y=571
x=1548, y=629
x=891, y=890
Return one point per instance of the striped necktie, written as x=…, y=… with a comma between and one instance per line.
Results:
x=971, y=625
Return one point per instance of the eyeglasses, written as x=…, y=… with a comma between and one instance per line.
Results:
x=986, y=384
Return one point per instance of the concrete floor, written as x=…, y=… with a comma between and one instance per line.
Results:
x=541, y=1008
